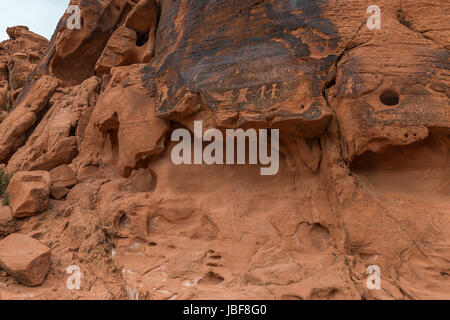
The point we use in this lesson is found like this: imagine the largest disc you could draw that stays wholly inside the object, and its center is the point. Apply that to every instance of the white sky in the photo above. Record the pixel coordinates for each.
(41, 16)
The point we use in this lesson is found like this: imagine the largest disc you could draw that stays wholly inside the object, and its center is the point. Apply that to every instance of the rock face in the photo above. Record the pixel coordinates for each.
(29, 192)
(134, 41)
(364, 125)
(14, 129)
(18, 57)
(62, 178)
(25, 258)
(56, 138)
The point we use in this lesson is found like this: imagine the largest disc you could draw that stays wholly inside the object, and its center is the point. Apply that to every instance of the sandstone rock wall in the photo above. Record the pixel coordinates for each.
(364, 126)
(18, 57)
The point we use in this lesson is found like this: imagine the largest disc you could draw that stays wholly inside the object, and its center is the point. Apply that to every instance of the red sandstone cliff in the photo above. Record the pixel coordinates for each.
(364, 179)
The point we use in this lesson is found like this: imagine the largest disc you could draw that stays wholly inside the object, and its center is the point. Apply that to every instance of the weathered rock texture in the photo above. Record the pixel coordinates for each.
(364, 121)
(7, 223)
(18, 57)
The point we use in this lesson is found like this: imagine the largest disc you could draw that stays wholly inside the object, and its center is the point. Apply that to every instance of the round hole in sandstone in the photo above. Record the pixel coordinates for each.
(124, 222)
(389, 98)
(142, 39)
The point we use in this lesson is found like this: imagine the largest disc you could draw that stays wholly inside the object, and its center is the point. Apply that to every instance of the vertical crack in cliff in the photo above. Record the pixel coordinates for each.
(332, 81)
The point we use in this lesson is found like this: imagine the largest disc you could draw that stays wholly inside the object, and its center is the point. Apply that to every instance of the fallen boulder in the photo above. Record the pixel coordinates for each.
(29, 192)
(25, 259)
(63, 176)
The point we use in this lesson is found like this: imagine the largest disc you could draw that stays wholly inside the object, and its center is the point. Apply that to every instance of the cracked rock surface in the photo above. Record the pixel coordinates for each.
(364, 178)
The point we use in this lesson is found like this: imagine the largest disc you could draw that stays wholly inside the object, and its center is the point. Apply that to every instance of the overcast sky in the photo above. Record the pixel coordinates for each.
(41, 16)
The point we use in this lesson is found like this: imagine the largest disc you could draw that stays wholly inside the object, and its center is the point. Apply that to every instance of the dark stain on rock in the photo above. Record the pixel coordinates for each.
(238, 53)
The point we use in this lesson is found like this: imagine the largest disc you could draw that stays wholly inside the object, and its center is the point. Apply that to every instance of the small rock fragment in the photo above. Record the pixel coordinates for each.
(58, 192)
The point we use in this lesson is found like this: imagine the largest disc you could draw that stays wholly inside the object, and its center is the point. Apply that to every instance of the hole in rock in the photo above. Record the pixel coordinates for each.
(16, 95)
(389, 98)
(124, 222)
(114, 140)
(211, 278)
(331, 83)
(326, 294)
(209, 264)
(315, 236)
(142, 39)
(72, 131)
(418, 170)
(320, 236)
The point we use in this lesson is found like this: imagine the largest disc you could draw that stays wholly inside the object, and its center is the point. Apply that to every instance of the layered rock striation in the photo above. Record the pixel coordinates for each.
(364, 127)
